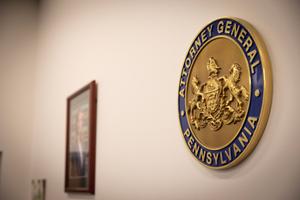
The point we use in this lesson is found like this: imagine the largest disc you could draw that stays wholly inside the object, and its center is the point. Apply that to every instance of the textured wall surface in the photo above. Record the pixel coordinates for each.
(135, 51)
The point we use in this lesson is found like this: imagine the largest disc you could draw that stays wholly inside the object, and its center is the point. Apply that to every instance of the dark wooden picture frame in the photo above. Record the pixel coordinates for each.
(81, 140)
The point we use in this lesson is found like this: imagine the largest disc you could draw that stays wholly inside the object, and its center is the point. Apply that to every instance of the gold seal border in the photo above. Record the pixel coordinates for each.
(267, 98)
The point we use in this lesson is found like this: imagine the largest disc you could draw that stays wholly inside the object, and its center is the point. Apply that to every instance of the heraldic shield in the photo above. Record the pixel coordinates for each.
(218, 101)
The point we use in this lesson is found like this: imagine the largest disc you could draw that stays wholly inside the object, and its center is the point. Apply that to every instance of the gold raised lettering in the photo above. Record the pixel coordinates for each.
(228, 154)
(188, 62)
(203, 36)
(202, 154)
(228, 26)
(208, 158)
(181, 92)
(220, 27)
(215, 156)
(248, 43)
(247, 130)
(197, 43)
(242, 36)
(222, 161)
(184, 72)
(243, 139)
(182, 82)
(192, 52)
(196, 149)
(252, 55)
(191, 142)
(253, 66)
(187, 133)
(209, 28)
(252, 121)
(236, 149)
(235, 29)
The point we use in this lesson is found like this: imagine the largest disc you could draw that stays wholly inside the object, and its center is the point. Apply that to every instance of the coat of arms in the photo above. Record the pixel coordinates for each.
(218, 101)
(225, 93)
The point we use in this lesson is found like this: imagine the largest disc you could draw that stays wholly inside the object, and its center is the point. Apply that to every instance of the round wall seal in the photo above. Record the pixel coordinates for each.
(225, 93)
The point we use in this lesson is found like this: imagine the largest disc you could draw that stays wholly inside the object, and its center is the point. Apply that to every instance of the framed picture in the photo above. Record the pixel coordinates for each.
(38, 189)
(81, 140)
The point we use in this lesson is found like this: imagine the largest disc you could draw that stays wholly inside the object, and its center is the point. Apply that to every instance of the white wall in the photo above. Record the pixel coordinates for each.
(0, 169)
(135, 51)
(17, 74)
